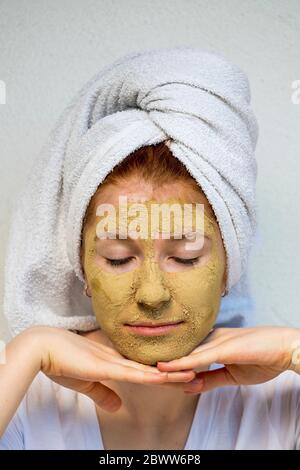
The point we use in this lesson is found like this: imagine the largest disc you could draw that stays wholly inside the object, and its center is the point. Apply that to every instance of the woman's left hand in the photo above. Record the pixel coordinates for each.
(249, 355)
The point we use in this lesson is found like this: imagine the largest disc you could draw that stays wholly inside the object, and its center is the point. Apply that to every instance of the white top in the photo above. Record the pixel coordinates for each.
(264, 416)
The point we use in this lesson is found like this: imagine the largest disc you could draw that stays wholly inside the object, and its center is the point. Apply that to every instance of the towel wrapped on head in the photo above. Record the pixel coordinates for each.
(195, 101)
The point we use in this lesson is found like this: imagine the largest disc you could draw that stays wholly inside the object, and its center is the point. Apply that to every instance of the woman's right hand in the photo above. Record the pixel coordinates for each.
(74, 361)
(79, 363)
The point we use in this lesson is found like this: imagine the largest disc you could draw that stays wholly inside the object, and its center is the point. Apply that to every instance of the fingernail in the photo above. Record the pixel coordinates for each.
(197, 381)
(188, 380)
(189, 386)
(114, 407)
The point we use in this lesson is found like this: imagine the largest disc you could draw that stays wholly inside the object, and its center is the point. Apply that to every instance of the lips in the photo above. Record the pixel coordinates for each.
(154, 324)
(153, 329)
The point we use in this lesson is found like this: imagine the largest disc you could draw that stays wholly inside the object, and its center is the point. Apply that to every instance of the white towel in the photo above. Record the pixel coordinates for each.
(195, 100)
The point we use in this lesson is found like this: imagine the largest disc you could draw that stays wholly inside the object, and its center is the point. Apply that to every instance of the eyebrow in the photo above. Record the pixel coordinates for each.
(129, 239)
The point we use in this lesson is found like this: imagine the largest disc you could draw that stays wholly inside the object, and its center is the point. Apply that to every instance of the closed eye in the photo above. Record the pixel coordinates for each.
(122, 261)
(186, 260)
(118, 262)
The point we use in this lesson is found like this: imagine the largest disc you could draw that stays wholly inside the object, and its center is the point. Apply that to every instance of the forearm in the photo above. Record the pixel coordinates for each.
(16, 374)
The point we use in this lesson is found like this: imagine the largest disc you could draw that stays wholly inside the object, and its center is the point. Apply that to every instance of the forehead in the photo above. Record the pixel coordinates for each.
(138, 191)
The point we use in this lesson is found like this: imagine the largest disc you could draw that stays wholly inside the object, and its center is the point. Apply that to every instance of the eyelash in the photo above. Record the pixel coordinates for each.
(118, 262)
(121, 261)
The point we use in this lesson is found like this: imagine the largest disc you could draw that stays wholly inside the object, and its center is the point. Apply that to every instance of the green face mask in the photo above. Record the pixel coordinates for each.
(146, 291)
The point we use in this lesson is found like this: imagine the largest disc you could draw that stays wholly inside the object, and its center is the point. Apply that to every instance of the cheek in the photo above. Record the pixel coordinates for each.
(110, 292)
(198, 289)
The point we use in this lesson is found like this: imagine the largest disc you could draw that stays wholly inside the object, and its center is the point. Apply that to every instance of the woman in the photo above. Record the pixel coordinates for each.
(137, 365)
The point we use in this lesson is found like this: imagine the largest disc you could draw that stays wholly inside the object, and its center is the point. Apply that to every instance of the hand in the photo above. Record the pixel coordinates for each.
(250, 356)
(80, 363)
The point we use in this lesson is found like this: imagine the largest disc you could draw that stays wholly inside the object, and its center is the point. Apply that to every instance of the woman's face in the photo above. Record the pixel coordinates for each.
(147, 280)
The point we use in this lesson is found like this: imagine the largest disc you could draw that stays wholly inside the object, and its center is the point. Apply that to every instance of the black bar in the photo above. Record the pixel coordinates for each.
(136, 458)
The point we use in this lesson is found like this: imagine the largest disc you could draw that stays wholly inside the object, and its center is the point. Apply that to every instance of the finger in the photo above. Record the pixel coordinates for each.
(233, 350)
(222, 333)
(103, 348)
(181, 376)
(216, 338)
(179, 384)
(199, 360)
(103, 396)
(103, 351)
(123, 373)
(126, 362)
(99, 393)
(208, 380)
(130, 374)
(106, 352)
(174, 385)
(184, 376)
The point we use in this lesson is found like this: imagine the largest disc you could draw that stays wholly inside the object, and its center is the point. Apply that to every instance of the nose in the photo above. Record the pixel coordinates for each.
(151, 291)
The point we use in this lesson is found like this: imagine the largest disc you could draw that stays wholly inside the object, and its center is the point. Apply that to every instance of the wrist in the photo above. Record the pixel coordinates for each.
(34, 342)
(293, 347)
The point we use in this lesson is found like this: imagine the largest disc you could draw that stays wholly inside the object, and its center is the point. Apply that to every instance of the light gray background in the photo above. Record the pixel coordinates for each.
(49, 48)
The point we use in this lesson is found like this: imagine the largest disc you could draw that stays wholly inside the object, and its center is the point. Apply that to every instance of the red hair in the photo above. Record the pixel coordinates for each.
(152, 163)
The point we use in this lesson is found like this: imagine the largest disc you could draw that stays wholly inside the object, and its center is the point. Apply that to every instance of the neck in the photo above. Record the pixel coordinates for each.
(153, 405)
(147, 405)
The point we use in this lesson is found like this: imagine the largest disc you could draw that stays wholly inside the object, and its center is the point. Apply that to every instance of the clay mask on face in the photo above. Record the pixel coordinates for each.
(158, 291)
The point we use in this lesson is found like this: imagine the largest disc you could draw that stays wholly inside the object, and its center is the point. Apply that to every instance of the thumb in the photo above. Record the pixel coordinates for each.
(103, 396)
(208, 380)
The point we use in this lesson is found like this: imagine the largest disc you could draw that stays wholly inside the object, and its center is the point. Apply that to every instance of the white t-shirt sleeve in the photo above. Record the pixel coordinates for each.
(287, 400)
(52, 417)
(12, 439)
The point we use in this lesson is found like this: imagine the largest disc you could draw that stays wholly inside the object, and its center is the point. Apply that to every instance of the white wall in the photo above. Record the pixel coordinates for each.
(49, 48)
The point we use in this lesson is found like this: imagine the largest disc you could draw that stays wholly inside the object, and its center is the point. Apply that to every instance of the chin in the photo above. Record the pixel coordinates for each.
(152, 357)
(150, 350)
